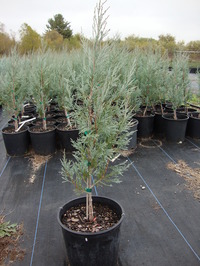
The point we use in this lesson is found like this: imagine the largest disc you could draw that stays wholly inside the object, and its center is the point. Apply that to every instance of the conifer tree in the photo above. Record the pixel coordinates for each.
(178, 82)
(60, 25)
(65, 82)
(41, 81)
(104, 117)
(12, 83)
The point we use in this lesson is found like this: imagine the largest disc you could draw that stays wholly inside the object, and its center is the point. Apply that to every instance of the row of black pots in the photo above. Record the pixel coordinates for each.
(165, 126)
(43, 143)
(46, 142)
(39, 121)
(183, 126)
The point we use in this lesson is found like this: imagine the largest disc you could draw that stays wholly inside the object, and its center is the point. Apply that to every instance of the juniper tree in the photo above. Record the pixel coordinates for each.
(178, 82)
(65, 83)
(12, 83)
(161, 62)
(104, 117)
(41, 81)
(150, 71)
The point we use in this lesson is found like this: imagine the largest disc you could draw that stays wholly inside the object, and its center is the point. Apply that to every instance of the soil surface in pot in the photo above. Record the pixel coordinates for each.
(41, 129)
(50, 115)
(66, 127)
(49, 122)
(12, 130)
(195, 115)
(104, 218)
(61, 120)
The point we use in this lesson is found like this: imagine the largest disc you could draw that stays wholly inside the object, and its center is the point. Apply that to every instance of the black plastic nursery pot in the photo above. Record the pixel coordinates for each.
(30, 109)
(16, 144)
(43, 143)
(193, 126)
(159, 126)
(145, 126)
(133, 138)
(64, 137)
(89, 249)
(175, 130)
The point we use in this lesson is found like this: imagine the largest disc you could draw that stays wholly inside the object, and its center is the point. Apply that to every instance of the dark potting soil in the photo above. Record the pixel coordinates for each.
(104, 218)
(12, 130)
(50, 115)
(40, 129)
(66, 127)
(195, 115)
(61, 120)
(49, 122)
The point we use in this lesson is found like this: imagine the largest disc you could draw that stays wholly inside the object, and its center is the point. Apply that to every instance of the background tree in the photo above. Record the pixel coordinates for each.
(133, 42)
(60, 25)
(74, 42)
(53, 40)
(6, 42)
(194, 48)
(13, 84)
(167, 42)
(30, 39)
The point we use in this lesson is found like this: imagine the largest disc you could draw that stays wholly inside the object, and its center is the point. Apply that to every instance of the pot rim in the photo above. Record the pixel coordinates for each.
(44, 132)
(193, 117)
(184, 117)
(68, 130)
(89, 233)
(25, 128)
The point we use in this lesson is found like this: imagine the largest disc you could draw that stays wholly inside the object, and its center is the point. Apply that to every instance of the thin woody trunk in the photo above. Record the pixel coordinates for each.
(68, 120)
(89, 205)
(16, 124)
(145, 111)
(44, 123)
(14, 105)
(162, 110)
(175, 115)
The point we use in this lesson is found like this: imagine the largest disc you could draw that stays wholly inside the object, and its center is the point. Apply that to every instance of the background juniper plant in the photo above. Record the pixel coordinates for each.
(150, 73)
(178, 82)
(65, 83)
(41, 81)
(12, 83)
(103, 118)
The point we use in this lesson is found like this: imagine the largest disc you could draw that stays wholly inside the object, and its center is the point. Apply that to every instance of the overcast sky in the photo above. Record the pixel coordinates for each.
(143, 18)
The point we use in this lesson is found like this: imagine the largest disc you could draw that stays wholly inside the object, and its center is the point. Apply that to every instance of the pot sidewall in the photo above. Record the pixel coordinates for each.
(145, 126)
(43, 143)
(175, 130)
(64, 138)
(193, 126)
(16, 144)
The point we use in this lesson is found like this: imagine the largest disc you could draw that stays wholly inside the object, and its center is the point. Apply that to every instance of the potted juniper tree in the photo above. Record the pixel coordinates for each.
(160, 91)
(135, 97)
(103, 120)
(41, 79)
(66, 80)
(178, 83)
(13, 93)
(147, 67)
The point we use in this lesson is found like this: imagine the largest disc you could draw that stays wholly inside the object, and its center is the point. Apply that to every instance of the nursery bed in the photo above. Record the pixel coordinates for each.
(161, 225)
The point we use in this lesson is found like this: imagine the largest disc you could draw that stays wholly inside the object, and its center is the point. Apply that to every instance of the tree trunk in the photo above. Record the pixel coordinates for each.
(175, 115)
(89, 204)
